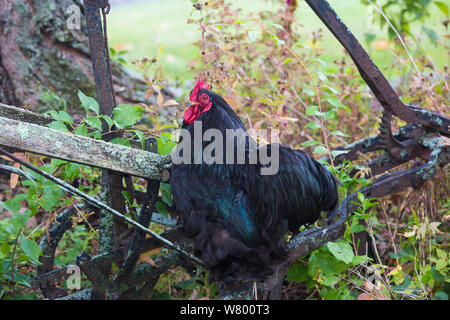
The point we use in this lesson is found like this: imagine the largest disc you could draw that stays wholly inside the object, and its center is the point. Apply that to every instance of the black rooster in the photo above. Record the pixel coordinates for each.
(238, 216)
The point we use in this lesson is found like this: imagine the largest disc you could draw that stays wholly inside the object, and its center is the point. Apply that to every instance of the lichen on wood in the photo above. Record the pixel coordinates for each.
(57, 144)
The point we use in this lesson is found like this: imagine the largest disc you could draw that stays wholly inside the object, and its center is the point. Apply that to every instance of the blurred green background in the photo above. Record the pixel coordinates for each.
(144, 27)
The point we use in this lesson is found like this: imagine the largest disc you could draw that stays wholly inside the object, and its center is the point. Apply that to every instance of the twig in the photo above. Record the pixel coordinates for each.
(380, 11)
(319, 103)
(386, 284)
(13, 260)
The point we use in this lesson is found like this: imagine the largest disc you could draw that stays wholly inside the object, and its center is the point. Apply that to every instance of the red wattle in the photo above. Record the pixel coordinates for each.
(191, 114)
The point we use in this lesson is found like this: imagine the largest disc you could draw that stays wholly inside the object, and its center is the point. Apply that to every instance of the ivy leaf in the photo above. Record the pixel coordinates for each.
(30, 248)
(341, 251)
(125, 115)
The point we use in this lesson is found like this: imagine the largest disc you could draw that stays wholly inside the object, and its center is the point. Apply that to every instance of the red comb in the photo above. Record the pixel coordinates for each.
(200, 85)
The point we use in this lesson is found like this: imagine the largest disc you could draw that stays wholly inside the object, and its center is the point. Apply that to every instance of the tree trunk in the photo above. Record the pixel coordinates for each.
(44, 53)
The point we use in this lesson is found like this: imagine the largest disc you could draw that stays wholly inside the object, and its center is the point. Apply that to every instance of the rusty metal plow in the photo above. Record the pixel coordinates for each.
(422, 138)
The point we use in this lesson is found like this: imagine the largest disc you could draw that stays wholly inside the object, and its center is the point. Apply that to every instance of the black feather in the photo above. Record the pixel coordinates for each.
(237, 216)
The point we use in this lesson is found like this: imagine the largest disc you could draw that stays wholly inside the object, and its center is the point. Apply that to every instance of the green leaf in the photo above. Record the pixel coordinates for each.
(311, 111)
(323, 63)
(127, 197)
(335, 102)
(298, 272)
(81, 130)
(320, 150)
(108, 120)
(339, 133)
(313, 125)
(11, 205)
(434, 37)
(357, 228)
(322, 77)
(357, 260)
(337, 153)
(330, 115)
(88, 103)
(141, 138)
(125, 115)
(370, 37)
(58, 125)
(331, 89)
(5, 249)
(94, 122)
(61, 116)
(30, 248)
(442, 6)
(17, 222)
(161, 207)
(308, 92)
(309, 143)
(166, 194)
(165, 143)
(71, 171)
(121, 141)
(341, 251)
(361, 197)
(441, 295)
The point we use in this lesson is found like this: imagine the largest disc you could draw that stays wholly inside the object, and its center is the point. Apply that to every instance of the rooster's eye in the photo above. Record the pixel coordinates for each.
(204, 98)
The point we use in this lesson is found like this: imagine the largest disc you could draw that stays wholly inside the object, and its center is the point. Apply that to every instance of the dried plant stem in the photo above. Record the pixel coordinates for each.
(380, 11)
(319, 102)
(386, 284)
(13, 261)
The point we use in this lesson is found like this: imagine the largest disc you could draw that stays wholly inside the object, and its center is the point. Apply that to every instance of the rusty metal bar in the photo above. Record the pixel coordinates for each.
(110, 227)
(374, 78)
(99, 57)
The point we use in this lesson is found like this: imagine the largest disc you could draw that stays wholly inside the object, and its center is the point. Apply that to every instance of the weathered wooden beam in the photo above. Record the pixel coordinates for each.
(66, 146)
(23, 115)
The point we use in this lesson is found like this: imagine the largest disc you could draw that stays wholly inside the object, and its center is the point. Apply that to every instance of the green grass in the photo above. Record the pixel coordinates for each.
(145, 28)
